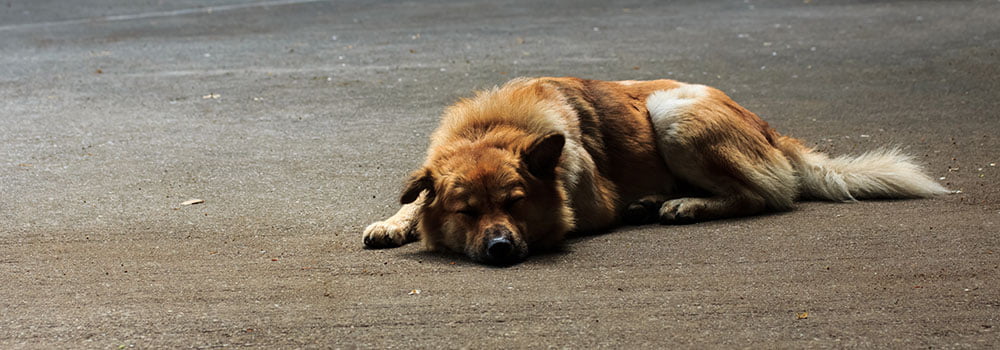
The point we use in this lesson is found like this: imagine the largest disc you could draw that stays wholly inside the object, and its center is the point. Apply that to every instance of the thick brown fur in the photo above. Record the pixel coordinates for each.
(514, 169)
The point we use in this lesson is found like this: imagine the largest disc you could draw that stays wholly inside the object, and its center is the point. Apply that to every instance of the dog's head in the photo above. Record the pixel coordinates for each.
(493, 201)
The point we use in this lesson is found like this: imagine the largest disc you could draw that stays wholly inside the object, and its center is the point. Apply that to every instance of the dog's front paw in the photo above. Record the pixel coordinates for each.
(680, 211)
(388, 234)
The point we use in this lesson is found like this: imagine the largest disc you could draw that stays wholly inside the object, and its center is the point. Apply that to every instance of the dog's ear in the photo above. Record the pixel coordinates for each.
(420, 181)
(543, 155)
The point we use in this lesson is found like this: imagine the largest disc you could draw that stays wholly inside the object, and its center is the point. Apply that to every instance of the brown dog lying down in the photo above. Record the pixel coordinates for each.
(514, 169)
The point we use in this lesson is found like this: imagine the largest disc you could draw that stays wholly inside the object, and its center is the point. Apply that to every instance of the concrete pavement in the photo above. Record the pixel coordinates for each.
(296, 122)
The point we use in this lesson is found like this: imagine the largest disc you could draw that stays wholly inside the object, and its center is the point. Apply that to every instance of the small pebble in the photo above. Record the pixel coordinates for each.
(193, 201)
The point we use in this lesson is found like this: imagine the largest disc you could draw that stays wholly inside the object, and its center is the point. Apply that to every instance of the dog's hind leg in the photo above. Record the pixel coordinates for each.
(709, 141)
(397, 230)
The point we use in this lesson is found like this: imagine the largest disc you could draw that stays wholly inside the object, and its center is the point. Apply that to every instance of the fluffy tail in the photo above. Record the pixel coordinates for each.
(885, 173)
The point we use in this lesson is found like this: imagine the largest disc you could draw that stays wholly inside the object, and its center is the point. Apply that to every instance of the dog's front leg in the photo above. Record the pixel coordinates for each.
(398, 229)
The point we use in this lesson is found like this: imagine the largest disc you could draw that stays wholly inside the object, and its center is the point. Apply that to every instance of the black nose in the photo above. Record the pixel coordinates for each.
(499, 248)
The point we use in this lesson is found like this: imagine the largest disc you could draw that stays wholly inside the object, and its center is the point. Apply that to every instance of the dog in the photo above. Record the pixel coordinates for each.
(516, 168)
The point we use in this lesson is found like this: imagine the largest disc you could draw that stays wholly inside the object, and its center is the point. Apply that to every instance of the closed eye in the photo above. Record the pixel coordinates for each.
(512, 201)
(470, 212)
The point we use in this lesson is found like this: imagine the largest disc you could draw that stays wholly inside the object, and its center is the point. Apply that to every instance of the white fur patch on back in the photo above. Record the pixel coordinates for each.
(667, 107)
(668, 101)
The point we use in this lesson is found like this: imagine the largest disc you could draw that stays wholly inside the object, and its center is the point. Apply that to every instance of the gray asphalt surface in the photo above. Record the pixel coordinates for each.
(296, 122)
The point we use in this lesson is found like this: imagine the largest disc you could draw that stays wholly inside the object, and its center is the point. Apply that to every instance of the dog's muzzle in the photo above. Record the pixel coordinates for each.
(500, 246)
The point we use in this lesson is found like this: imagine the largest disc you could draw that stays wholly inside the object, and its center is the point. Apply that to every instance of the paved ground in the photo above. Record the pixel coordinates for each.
(296, 122)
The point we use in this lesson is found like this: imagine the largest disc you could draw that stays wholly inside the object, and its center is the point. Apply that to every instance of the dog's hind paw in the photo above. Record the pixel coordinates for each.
(388, 234)
(680, 211)
(643, 211)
